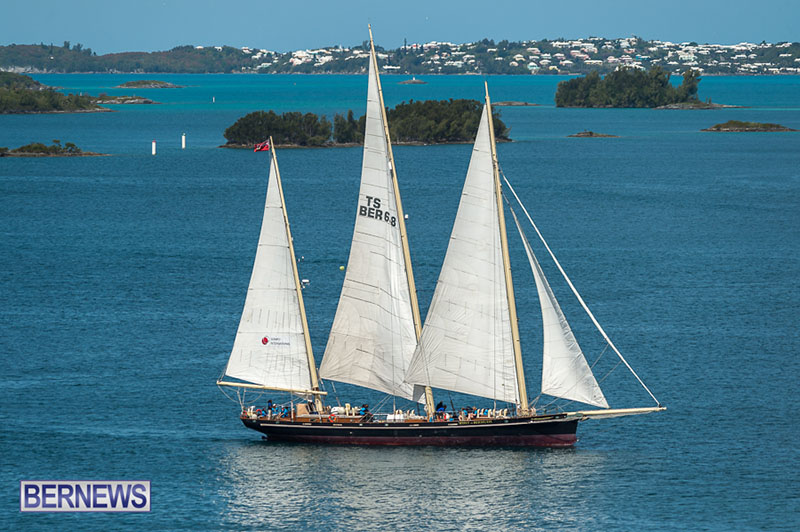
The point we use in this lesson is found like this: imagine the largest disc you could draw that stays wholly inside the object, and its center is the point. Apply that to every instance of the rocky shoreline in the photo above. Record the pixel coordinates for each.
(82, 154)
(123, 100)
(514, 104)
(736, 126)
(699, 105)
(54, 112)
(350, 145)
(148, 84)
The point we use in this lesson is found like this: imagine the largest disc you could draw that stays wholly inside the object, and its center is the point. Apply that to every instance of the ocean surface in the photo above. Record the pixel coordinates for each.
(122, 279)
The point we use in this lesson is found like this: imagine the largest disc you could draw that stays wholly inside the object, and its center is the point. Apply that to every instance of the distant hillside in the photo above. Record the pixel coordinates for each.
(185, 59)
(559, 56)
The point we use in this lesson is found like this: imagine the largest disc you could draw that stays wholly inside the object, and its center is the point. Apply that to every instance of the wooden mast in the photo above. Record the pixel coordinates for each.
(412, 290)
(512, 304)
(312, 365)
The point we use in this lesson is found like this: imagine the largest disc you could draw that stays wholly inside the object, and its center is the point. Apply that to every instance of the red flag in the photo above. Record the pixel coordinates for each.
(264, 146)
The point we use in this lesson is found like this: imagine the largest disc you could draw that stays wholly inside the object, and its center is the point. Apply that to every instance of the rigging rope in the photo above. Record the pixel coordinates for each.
(575, 291)
(225, 393)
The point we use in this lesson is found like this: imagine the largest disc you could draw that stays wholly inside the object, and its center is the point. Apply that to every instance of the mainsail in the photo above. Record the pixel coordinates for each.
(466, 343)
(373, 334)
(271, 348)
(565, 372)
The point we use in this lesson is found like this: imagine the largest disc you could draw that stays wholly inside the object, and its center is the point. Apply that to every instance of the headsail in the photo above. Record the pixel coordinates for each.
(373, 336)
(466, 343)
(271, 348)
(565, 372)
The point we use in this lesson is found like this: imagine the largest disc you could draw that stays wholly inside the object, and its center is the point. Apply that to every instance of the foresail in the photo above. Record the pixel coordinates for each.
(466, 342)
(565, 372)
(270, 348)
(372, 337)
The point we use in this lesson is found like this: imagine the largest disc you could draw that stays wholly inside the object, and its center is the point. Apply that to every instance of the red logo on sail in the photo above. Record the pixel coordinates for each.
(265, 340)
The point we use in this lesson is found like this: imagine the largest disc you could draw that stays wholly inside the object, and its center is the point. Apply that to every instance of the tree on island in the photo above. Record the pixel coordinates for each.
(627, 87)
(348, 130)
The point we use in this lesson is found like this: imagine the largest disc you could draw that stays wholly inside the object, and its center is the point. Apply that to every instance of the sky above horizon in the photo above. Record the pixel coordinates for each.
(149, 25)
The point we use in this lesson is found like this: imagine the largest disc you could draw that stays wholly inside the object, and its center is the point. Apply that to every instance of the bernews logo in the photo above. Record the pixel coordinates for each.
(84, 496)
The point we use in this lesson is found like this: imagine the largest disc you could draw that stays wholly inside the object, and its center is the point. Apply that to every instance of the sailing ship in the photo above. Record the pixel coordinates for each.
(469, 342)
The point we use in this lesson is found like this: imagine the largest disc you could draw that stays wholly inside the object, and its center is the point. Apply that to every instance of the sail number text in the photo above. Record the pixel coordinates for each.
(373, 210)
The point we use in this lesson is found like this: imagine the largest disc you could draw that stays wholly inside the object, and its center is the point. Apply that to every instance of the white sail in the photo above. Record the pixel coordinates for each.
(372, 337)
(270, 347)
(565, 372)
(466, 342)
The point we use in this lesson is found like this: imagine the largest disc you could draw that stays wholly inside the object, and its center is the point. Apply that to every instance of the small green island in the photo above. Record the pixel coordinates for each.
(514, 104)
(20, 94)
(738, 126)
(413, 122)
(105, 99)
(148, 84)
(38, 149)
(592, 135)
(630, 87)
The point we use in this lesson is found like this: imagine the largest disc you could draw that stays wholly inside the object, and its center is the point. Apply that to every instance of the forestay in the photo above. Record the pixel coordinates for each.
(565, 372)
(270, 348)
(466, 342)
(372, 338)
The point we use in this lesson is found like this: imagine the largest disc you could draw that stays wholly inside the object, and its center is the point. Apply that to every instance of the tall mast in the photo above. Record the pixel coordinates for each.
(512, 304)
(312, 367)
(412, 290)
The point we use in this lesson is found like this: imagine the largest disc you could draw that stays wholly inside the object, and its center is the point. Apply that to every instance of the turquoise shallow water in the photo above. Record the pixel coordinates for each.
(123, 277)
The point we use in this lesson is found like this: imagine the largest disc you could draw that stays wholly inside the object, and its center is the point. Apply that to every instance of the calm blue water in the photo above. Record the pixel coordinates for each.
(123, 278)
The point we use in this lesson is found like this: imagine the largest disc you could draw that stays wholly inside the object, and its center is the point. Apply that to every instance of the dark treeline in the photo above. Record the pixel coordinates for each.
(22, 94)
(428, 122)
(627, 87)
(440, 121)
(291, 128)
